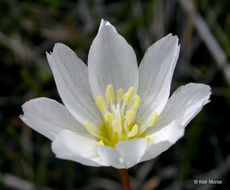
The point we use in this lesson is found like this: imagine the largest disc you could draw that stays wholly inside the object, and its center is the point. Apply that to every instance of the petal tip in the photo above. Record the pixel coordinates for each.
(106, 24)
(25, 105)
(58, 46)
(102, 24)
(48, 56)
(174, 38)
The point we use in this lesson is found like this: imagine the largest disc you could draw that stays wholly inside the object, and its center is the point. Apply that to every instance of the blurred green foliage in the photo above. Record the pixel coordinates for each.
(30, 28)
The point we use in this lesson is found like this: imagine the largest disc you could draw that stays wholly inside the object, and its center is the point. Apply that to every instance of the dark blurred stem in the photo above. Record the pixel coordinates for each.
(125, 179)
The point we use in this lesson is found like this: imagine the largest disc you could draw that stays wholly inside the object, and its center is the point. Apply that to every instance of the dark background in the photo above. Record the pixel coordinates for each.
(29, 28)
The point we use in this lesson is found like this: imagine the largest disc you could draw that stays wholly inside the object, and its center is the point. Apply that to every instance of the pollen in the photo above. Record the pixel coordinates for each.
(130, 116)
(136, 102)
(101, 104)
(120, 94)
(117, 126)
(109, 117)
(90, 129)
(109, 94)
(134, 131)
(128, 95)
(119, 118)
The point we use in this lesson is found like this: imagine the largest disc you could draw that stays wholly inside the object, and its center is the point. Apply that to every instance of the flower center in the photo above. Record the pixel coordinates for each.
(119, 116)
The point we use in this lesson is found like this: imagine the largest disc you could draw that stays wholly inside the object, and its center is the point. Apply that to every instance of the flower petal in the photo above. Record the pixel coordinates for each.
(111, 61)
(49, 117)
(155, 75)
(125, 155)
(162, 140)
(71, 78)
(185, 103)
(71, 146)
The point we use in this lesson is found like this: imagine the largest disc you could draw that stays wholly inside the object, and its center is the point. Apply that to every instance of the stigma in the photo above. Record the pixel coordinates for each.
(119, 118)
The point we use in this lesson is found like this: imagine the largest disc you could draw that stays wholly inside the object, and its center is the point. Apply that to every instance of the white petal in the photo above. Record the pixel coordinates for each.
(185, 103)
(111, 156)
(71, 78)
(155, 75)
(49, 117)
(125, 155)
(162, 140)
(155, 149)
(111, 61)
(71, 146)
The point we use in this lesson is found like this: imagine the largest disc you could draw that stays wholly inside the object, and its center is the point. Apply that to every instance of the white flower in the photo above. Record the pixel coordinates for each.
(114, 113)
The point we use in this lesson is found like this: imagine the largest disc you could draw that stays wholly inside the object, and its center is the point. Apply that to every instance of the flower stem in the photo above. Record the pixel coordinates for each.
(125, 179)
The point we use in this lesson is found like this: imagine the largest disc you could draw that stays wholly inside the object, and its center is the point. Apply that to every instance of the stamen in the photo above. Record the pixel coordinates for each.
(148, 138)
(90, 129)
(130, 116)
(128, 95)
(120, 93)
(149, 123)
(101, 143)
(109, 94)
(119, 118)
(102, 106)
(109, 117)
(126, 127)
(136, 102)
(152, 120)
(116, 126)
(134, 131)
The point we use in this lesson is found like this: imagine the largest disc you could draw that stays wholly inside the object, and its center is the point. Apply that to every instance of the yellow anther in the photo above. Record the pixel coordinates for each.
(117, 126)
(130, 116)
(134, 131)
(120, 93)
(90, 129)
(128, 95)
(109, 94)
(148, 138)
(152, 120)
(136, 102)
(101, 143)
(118, 110)
(102, 106)
(109, 117)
